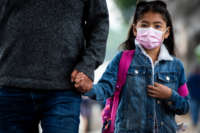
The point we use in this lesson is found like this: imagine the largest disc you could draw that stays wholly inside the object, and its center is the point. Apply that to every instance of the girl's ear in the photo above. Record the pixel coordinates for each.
(134, 30)
(167, 33)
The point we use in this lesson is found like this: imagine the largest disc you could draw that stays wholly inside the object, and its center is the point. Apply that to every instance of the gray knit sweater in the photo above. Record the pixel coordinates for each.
(43, 41)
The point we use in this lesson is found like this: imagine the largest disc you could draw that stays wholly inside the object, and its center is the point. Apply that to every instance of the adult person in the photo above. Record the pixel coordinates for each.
(194, 86)
(43, 45)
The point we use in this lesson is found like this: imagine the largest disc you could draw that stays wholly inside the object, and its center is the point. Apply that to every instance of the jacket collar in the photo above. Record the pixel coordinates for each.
(163, 55)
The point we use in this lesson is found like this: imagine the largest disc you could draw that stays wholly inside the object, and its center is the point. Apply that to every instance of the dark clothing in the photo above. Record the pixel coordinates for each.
(42, 41)
(194, 86)
(195, 111)
(21, 111)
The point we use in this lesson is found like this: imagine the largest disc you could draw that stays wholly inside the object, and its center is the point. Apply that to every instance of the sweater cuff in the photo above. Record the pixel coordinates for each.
(88, 70)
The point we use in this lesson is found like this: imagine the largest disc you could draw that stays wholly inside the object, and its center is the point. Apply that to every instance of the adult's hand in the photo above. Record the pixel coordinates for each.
(73, 75)
(83, 83)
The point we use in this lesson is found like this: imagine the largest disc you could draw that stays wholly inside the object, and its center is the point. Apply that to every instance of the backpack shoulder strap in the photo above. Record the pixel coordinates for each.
(124, 64)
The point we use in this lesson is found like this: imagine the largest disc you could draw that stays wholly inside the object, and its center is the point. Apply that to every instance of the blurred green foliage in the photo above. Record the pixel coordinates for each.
(127, 8)
(124, 4)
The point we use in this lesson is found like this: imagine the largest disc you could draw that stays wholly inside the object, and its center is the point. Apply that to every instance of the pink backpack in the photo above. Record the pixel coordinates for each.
(110, 110)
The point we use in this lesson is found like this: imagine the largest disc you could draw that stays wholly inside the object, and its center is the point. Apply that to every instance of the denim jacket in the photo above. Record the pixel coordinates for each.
(138, 112)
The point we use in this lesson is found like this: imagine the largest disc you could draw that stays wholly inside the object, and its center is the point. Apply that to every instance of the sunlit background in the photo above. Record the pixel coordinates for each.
(186, 21)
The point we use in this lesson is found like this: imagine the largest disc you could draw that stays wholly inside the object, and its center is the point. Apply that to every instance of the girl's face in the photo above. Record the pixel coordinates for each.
(154, 20)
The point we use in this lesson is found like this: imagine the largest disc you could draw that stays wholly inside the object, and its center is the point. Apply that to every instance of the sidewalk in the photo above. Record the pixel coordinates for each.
(186, 120)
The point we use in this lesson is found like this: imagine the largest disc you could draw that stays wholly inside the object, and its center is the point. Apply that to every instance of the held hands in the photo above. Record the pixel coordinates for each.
(159, 91)
(82, 82)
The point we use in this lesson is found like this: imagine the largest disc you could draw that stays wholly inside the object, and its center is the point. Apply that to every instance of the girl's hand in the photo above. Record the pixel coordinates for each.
(159, 91)
(83, 83)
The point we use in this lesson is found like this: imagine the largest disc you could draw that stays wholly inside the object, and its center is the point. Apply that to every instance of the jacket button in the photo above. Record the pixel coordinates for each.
(136, 72)
(158, 102)
(167, 78)
(162, 123)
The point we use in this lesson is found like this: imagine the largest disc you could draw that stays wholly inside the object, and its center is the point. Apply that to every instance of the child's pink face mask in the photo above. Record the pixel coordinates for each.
(149, 38)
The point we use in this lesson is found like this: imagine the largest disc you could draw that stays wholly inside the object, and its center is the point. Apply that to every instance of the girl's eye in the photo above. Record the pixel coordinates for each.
(144, 25)
(158, 26)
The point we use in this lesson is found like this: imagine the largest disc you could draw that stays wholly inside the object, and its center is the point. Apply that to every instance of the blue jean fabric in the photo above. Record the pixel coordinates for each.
(21, 111)
(137, 112)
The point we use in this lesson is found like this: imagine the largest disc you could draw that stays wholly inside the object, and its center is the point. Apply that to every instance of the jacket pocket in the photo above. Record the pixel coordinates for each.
(169, 79)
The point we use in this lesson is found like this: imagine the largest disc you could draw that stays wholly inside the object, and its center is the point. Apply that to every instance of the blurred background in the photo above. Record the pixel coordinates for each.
(186, 21)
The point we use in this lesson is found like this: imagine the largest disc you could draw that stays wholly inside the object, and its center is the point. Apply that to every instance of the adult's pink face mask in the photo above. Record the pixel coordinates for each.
(149, 38)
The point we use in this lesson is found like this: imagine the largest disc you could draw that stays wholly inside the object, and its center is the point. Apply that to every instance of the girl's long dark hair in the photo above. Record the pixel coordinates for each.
(153, 6)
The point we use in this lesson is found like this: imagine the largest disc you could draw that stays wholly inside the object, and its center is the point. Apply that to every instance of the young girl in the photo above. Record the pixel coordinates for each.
(155, 89)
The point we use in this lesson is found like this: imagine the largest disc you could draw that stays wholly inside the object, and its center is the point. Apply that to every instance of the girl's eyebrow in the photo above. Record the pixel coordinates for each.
(158, 22)
(144, 21)
(147, 22)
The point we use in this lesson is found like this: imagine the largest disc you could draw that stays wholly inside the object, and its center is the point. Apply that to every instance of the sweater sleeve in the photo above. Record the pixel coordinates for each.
(179, 101)
(96, 32)
(106, 86)
(2, 8)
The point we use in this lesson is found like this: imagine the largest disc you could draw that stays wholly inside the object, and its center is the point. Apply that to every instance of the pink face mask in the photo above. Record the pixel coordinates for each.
(149, 38)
